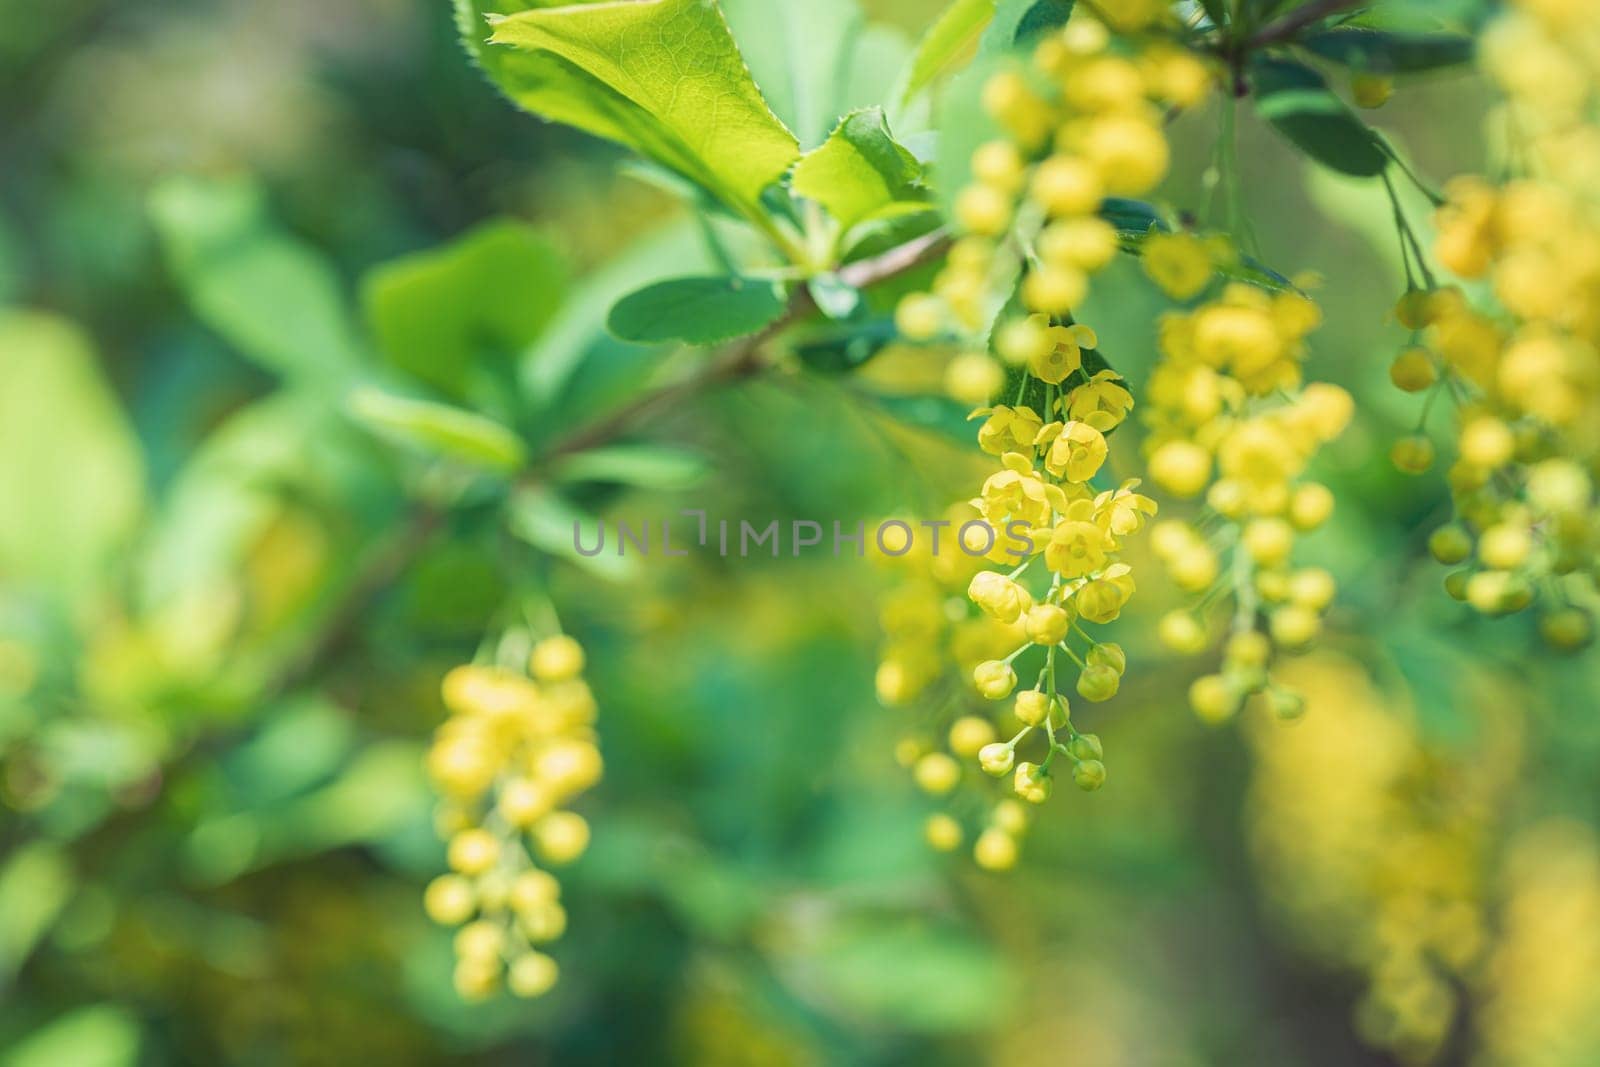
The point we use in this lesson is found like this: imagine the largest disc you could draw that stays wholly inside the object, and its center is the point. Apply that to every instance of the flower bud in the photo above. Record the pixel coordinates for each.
(994, 679)
(996, 758)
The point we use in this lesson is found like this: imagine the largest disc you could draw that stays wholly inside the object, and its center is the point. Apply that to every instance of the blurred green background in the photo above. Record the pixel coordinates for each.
(224, 610)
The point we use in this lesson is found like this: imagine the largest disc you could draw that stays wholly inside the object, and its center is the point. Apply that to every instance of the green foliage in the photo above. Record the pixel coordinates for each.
(455, 316)
(439, 429)
(648, 74)
(1389, 51)
(1016, 21)
(860, 172)
(801, 57)
(698, 311)
(1297, 102)
(947, 44)
(269, 295)
(69, 463)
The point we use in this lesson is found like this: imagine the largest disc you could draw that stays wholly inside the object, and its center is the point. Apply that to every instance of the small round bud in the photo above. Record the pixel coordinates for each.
(1286, 704)
(1269, 541)
(476, 978)
(996, 758)
(1066, 185)
(1032, 707)
(1010, 816)
(1047, 624)
(1086, 747)
(449, 900)
(1412, 370)
(970, 733)
(1294, 627)
(1312, 588)
(533, 889)
(473, 851)
(1247, 648)
(995, 850)
(942, 833)
(1568, 628)
(1487, 442)
(480, 939)
(1181, 632)
(1371, 90)
(1031, 783)
(1412, 455)
(523, 802)
(1310, 505)
(1089, 775)
(1450, 544)
(1214, 699)
(1000, 164)
(994, 679)
(532, 974)
(556, 659)
(1505, 545)
(920, 317)
(983, 210)
(1108, 654)
(561, 837)
(972, 378)
(937, 773)
(1182, 468)
(1098, 682)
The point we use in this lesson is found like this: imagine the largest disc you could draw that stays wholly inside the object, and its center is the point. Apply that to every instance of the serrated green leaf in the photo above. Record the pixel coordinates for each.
(70, 465)
(661, 76)
(439, 429)
(1018, 21)
(1389, 51)
(443, 315)
(272, 297)
(1297, 102)
(948, 43)
(696, 311)
(641, 466)
(799, 56)
(859, 170)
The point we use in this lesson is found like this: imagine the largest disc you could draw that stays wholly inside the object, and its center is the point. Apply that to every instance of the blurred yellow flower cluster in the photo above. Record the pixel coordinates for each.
(1374, 844)
(1525, 374)
(1230, 420)
(515, 750)
(1083, 124)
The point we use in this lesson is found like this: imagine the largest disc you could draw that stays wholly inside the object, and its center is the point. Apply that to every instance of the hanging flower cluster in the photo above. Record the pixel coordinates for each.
(1230, 422)
(1523, 371)
(513, 753)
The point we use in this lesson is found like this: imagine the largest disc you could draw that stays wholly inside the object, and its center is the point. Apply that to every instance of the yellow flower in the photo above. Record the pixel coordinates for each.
(1102, 600)
(1123, 511)
(1077, 546)
(1179, 263)
(1077, 451)
(1018, 493)
(999, 596)
(1008, 429)
(1102, 402)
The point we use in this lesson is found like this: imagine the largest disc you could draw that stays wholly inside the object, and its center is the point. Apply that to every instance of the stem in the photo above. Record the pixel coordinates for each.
(1289, 26)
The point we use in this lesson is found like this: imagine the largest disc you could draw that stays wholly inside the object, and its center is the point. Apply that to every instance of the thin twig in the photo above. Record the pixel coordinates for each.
(1287, 27)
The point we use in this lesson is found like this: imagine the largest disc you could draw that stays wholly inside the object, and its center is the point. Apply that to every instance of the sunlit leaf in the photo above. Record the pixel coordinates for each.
(859, 170)
(799, 56)
(1297, 102)
(948, 42)
(661, 76)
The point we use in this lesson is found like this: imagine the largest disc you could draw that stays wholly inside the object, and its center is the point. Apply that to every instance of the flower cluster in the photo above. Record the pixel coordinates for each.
(514, 751)
(1372, 845)
(1083, 124)
(1230, 421)
(1524, 373)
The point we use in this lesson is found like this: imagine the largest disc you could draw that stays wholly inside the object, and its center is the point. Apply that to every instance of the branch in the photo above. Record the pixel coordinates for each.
(741, 359)
(1290, 25)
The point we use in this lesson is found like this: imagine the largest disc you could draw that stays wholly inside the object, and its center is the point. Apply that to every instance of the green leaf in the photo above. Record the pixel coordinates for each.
(1389, 51)
(70, 466)
(272, 297)
(859, 170)
(661, 76)
(1017, 21)
(641, 466)
(962, 125)
(35, 885)
(697, 311)
(799, 56)
(552, 523)
(439, 429)
(1297, 102)
(442, 316)
(921, 979)
(101, 1035)
(947, 44)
